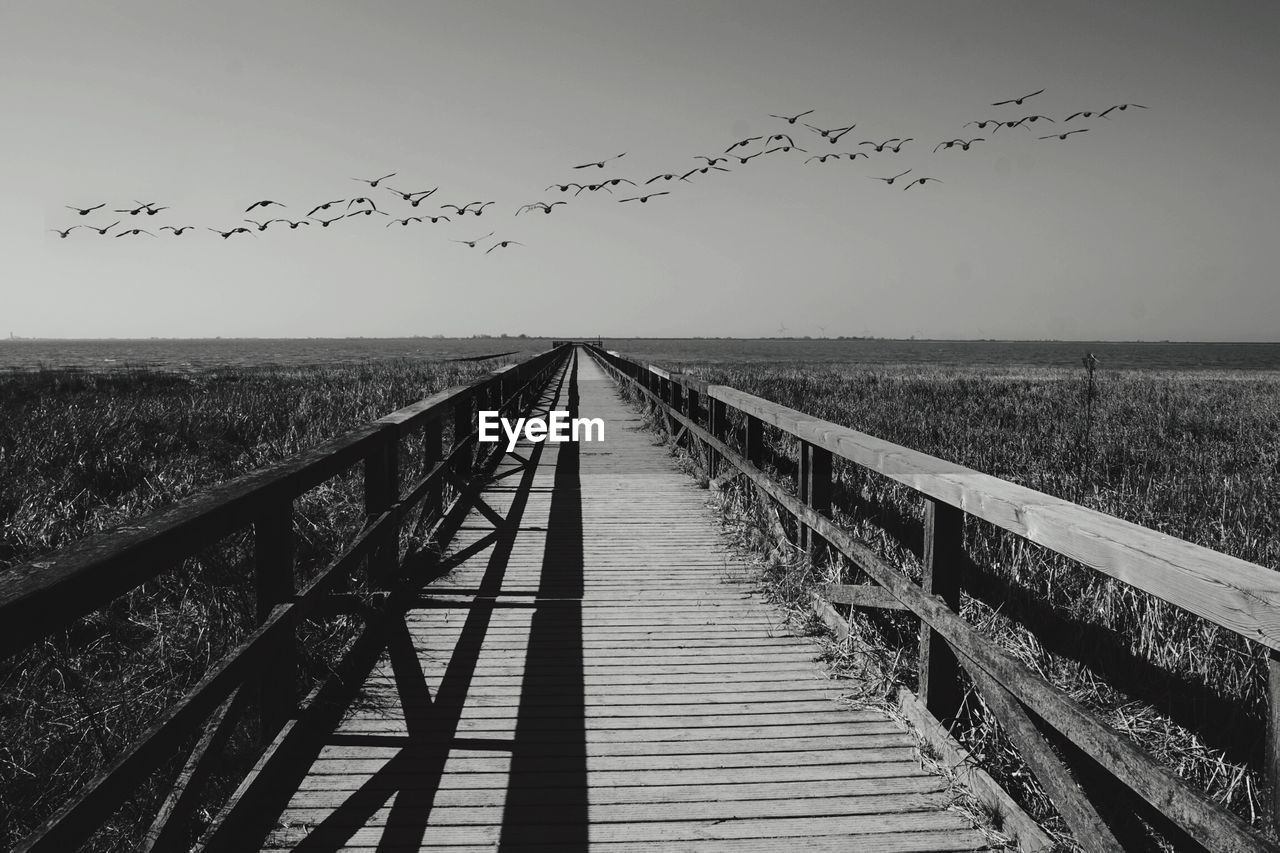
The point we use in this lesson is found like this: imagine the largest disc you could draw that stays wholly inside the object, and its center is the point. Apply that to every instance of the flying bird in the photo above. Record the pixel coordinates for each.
(1083, 114)
(890, 181)
(368, 211)
(472, 243)
(592, 188)
(362, 200)
(832, 134)
(85, 211)
(701, 170)
(325, 206)
(261, 226)
(152, 211)
(502, 244)
(613, 182)
(897, 149)
(563, 187)
(103, 231)
(822, 158)
(1065, 135)
(264, 203)
(1017, 123)
(599, 164)
(63, 234)
(404, 221)
(879, 146)
(778, 137)
(479, 210)
(1034, 119)
(374, 183)
(743, 160)
(134, 211)
(1121, 108)
(785, 148)
(177, 232)
(743, 144)
(293, 226)
(421, 197)
(408, 196)
(324, 223)
(136, 231)
(711, 161)
(669, 176)
(540, 205)
(921, 181)
(982, 124)
(791, 119)
(643, 198)
(1017, 101)
(226, 234)
(963, 143)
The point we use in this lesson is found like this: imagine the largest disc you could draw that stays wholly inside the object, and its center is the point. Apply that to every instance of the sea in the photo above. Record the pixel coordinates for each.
(192, 355)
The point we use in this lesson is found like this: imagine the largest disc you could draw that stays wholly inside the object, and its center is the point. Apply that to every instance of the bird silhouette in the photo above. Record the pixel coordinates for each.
(152, 211)
(786, 148)
(822, 158)
(368, 211)
(832, 135)
(134, 211)
(472, 243)
(63, 234)
(226, 234)
(879, 146)
(791, 119)
(502, 244)
(325, 223)
(1017, 101)
(103, 231)
(921, 181)
(293, 226)
(563, 187)
(264, 203)
(261, 226)
(599, 164)
(613, 182)
(711, 161)
(1084, 114)
(897, 149)
(540, 205)
(1017, 123)
(362, 200)
(963, 143)
(135, 232)
(702, 170)
(421, 197)
(643, 198)
(668, 176)
(325, 206)
(744, 143)
(408, 196)
(479, 210)
(85, 211)
(1034, 119)
(177, 232)
(404, 221)
(1121, 108)
(890, 181)
(460, 210)
(374, 183)
(593, 188)
(1065, 135)
(982, 123)
(778, 137)
(743, 160)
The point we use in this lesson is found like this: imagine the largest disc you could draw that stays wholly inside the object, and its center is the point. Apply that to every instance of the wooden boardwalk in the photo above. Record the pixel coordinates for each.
(597, 672)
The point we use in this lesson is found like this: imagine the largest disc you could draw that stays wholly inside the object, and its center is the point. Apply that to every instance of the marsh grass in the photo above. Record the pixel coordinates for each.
(82, 452)
(1195, 455)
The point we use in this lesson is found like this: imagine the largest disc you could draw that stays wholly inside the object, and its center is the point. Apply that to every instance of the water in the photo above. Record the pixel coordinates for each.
(190, 355)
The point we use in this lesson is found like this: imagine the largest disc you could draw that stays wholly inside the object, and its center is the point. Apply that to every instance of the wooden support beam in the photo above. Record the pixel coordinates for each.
(939, 686)
(381, 492)
(861, 595)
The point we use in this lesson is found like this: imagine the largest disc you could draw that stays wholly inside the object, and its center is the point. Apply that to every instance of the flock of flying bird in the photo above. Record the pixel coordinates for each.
(737, 153)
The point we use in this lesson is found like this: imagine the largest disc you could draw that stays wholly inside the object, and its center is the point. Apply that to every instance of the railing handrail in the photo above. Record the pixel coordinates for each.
(45, 594)
(1235, 594)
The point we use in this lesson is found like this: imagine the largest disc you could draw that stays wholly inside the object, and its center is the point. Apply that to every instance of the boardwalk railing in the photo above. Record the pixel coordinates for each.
(1090, 772)
(46, 596)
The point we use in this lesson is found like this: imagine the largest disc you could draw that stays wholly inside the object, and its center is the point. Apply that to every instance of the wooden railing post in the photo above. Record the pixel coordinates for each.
(275, 583)
(719, 427)
(816, 466)
(381, 491)
(1271, 761)
(461, 430)
(939, 685)
(754, 440)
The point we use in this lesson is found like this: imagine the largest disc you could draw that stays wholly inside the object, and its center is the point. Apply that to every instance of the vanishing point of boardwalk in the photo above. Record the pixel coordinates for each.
(597, 671)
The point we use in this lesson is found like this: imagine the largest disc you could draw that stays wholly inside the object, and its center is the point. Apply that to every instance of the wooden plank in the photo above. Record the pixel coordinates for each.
(1238, 595)
(939, 685)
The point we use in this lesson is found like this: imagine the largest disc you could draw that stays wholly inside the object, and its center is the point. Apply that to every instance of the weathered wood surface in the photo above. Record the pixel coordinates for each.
(599, 672)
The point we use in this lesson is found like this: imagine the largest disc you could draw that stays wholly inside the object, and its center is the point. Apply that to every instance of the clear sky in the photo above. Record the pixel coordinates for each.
(1157, 224)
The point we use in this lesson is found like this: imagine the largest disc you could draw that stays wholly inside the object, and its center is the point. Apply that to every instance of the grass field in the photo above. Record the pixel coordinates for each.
(83, 452)
(1192, 454)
